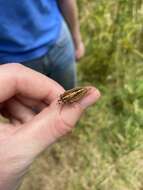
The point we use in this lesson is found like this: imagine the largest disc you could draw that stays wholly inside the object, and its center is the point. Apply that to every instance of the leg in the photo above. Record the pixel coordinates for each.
(37, 65)
(62, 60)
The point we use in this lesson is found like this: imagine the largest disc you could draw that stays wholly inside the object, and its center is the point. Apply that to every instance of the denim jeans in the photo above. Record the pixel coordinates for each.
(59, 63)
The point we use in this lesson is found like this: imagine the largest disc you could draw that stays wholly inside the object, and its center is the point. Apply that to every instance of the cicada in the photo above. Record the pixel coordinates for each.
(73, 95)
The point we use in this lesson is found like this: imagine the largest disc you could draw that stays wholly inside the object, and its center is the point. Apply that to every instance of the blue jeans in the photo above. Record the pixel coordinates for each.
(59, 63)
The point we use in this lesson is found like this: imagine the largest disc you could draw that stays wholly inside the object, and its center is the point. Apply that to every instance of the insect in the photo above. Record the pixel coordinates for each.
(73, 95)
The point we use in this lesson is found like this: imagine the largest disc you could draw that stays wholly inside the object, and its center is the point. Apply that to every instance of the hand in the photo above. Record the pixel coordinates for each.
(27, 134)
(79, 45)
(79, 50)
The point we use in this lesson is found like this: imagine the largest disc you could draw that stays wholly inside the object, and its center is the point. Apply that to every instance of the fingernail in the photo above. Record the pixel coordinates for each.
(92, 97)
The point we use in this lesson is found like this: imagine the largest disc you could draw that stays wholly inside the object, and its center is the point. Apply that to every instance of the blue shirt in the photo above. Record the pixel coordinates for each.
(27, 28)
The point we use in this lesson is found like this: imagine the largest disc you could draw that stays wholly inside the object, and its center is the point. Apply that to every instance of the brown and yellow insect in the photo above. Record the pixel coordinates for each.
(73, 95)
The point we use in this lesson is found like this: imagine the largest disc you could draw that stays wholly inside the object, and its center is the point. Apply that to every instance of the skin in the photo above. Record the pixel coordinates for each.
(30, 132)
(70, 13)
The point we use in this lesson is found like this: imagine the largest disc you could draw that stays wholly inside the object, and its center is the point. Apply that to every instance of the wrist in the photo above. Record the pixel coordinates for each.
(11, 177)
(77, 39)
(8, 182)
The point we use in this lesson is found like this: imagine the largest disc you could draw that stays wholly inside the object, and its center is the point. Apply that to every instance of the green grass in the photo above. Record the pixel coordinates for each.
(105, 151)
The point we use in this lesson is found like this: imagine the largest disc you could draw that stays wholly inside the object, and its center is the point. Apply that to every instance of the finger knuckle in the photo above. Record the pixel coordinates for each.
(62, 127)
(16, 67)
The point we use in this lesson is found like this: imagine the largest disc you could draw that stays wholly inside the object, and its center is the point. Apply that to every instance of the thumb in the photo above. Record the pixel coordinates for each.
(55, 121)
(71, 113)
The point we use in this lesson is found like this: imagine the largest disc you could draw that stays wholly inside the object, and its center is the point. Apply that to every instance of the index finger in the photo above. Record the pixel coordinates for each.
(18, 79)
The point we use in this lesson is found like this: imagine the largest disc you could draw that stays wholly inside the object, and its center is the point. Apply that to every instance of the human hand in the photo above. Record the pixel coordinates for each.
(27, 134)
(80, 50)
(79, 45)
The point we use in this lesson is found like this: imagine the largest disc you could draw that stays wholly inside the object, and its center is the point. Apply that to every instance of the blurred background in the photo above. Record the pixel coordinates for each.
(105, 150)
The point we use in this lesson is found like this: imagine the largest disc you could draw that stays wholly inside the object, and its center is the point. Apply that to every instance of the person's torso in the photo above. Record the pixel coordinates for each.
(27, 25)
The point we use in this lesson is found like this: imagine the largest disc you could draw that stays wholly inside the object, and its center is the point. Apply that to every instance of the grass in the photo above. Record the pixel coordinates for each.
(105, 150)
